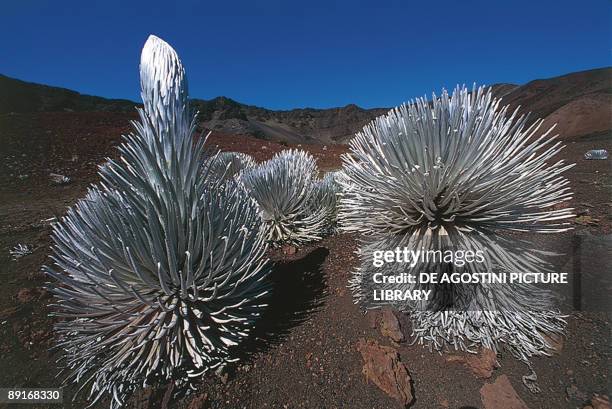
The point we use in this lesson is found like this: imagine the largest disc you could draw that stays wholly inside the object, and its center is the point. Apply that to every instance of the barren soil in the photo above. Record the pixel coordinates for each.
(303, 351)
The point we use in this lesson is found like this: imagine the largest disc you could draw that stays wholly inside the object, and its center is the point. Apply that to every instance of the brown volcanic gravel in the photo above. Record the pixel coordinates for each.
(73, 144)
(303, 351)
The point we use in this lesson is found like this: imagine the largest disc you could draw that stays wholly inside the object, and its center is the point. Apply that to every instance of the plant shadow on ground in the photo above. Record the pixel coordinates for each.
(298, 290)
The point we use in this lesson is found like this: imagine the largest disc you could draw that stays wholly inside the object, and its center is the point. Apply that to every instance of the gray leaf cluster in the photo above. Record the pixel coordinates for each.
(228, 165)
(459, 172)
(293, 204)
(327, 191)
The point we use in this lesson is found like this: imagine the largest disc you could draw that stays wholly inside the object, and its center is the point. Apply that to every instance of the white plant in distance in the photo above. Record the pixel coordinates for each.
(160, 270)
(284, 188)
(460, 173)
(19, 251)
(327, 190)
(227, 165)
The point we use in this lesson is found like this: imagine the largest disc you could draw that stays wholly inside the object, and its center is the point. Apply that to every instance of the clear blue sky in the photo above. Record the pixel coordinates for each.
(285, 54)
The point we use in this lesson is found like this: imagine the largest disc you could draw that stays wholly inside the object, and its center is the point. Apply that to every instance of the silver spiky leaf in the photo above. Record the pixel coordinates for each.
(284, 189)
(456, 173)
(160, 269)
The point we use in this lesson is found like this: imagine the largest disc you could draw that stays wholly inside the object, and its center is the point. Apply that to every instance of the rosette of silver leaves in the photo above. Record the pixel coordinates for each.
(327, 190)
(292, 203)
(160, 269)
(459, 173)
(227, 165)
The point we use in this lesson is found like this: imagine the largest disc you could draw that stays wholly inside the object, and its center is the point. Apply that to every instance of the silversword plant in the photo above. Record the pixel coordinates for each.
(327, 190)
(285, 189)
(19, 251)
(459, 172)
(228, 165)
(160, 269)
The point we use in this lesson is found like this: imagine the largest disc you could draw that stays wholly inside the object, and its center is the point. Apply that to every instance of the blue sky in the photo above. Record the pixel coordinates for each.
(282, 54)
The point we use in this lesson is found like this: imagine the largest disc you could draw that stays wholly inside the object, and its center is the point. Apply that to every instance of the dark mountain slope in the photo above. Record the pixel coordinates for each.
(579, 102)
(21, 96)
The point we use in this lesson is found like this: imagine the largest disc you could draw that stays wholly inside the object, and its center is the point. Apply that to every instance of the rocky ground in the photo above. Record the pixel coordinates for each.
(314, 348)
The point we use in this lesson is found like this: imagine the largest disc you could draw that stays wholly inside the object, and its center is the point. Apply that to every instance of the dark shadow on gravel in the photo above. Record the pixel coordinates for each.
(298, 290)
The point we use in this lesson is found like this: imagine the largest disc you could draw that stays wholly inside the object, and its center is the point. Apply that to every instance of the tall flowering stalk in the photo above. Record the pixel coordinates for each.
(160, 269)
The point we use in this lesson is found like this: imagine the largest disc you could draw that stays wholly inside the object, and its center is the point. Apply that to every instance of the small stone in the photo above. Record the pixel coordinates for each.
(481, 364)
(600, 402)
(390, 326)
(289, 250)
(308, 358)
(573, 393)
(555, 341)
(58, 179)
(500, 395)
(373, 317)
(586, 221)
(383, 367)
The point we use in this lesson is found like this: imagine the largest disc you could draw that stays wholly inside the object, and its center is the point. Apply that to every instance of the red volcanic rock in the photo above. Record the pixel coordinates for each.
(383, 367)
(289, 250)
(481, 364)
(390, 326)
(556, 342)
(501, 395)
(600, 402)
